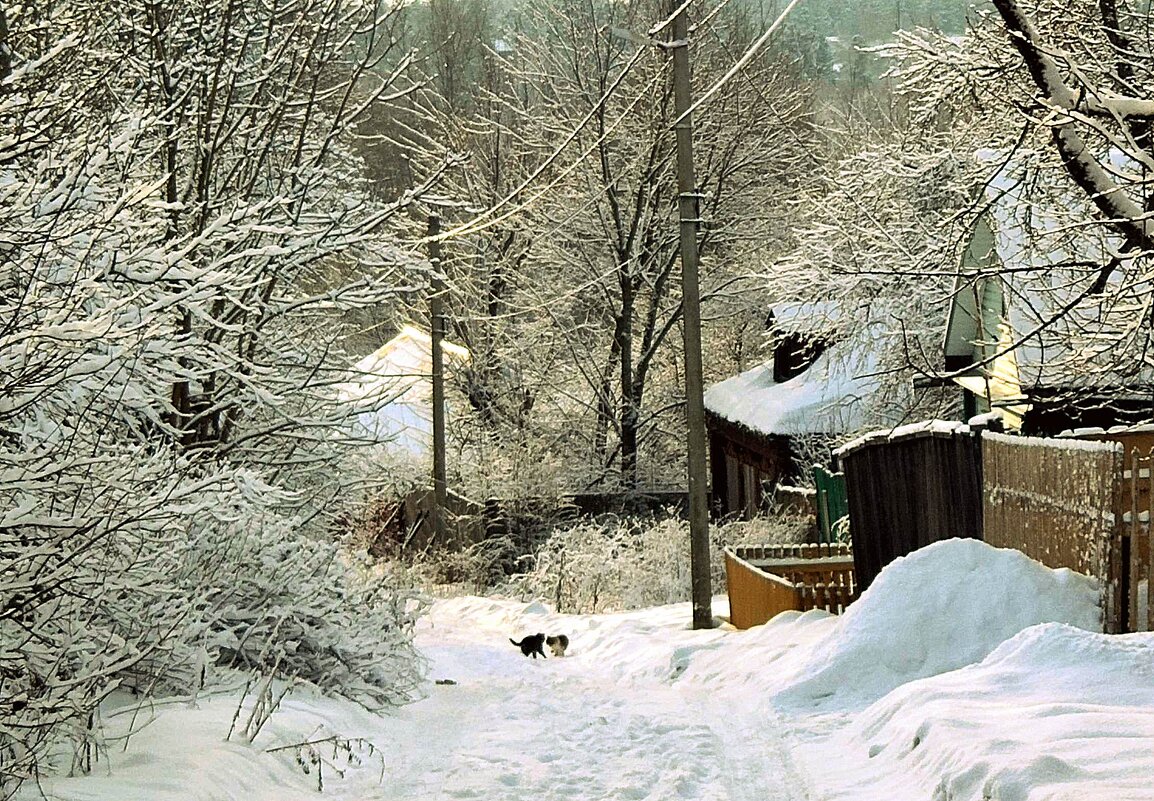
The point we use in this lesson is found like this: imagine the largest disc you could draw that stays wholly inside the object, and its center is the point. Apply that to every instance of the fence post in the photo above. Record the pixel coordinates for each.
(1113, 564)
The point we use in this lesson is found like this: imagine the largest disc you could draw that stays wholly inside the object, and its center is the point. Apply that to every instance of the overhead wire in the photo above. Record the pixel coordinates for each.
(750, 52)
(485, 220)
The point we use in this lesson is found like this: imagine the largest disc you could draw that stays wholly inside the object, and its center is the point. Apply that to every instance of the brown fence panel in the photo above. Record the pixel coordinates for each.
(1051, 499)
(1054, 500)
(754, 595)
(909, 489)
(765, 581)
(1139, 440)
(1128, 562)
(1138, 481)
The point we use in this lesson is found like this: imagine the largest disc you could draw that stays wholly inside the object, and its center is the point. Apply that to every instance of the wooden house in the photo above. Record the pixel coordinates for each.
(765, 425)
(1009, 341)
(391, 391)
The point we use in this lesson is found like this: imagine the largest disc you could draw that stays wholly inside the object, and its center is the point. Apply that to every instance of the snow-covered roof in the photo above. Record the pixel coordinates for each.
(1044, 254)
(393, 390)
(825, 399)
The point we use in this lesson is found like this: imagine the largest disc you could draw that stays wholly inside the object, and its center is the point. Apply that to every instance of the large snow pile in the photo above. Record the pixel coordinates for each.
(175, 750)
(942, 607)
(1054, 713)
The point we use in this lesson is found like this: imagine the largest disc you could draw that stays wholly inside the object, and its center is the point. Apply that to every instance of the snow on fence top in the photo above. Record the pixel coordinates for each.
(931, 428)
(1064, 444)
(950, 428)
(1145, 428)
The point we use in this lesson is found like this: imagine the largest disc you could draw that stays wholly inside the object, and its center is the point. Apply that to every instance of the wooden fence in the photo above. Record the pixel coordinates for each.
(1134, 542)
(1127, 581)
(909, 488)
(767, 580)
(1079, 505)
(1051, 499)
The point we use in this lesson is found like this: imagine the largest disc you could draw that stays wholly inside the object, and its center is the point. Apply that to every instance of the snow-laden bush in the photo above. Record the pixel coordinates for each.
(147, 584)
(160, 350)
(632, 563)
(270, 598)
(84, 605)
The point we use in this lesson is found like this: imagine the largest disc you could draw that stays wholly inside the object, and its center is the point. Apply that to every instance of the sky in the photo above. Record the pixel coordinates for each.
(964, 673)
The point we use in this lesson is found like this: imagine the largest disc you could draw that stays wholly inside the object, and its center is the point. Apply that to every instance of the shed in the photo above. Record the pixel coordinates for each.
(391, 391)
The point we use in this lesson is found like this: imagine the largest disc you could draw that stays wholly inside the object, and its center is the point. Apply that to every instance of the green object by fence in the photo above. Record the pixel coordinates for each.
(832, 506)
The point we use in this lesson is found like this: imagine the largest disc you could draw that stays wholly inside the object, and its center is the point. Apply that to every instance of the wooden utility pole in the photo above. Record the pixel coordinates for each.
(691, 327)
(436, 333)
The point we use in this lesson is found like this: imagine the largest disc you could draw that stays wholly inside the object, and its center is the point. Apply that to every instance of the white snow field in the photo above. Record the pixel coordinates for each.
(965, 673)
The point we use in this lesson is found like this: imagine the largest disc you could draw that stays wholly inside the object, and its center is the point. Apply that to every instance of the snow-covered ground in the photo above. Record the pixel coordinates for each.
(965, 673)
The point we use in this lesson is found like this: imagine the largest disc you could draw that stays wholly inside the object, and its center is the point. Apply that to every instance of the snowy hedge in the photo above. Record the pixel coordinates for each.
(594, 566)
(270, 598)
(181, 235)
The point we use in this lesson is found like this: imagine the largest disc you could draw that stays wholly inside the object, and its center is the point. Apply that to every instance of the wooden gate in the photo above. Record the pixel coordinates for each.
(765, 581)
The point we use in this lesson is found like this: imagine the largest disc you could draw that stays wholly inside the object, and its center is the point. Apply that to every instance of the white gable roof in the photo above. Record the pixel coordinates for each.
(1047, 253)
(828, 398)
(392, 389)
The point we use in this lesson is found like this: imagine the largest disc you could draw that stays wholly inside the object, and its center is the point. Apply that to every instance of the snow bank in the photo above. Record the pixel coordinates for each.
(939, 609)
(176, 751)
(761, 660)
(1053, 713)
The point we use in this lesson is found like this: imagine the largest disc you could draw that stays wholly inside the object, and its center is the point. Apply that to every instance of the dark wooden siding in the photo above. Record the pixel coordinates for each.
(744, 467)
(905, 493)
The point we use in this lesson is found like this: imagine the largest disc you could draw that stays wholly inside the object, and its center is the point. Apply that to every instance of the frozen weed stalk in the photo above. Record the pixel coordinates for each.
(336, 754)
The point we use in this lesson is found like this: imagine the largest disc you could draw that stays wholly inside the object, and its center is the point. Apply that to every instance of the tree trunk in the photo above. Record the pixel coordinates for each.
(629, 413)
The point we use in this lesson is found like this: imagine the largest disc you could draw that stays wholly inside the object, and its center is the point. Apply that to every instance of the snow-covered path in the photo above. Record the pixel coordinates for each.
(994, 686)
(599, 723)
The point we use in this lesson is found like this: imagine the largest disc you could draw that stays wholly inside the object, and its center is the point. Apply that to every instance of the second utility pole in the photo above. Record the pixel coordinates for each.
(436, 334)
(699, 560)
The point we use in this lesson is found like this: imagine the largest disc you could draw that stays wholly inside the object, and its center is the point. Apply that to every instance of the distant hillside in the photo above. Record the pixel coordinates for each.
(874, 20)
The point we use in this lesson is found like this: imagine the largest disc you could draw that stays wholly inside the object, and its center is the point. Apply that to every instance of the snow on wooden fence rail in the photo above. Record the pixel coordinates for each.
(764, 581)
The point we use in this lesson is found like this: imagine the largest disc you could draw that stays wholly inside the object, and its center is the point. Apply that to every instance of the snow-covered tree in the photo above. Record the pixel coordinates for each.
(573, 275)
(182, 225)
(1059, 90)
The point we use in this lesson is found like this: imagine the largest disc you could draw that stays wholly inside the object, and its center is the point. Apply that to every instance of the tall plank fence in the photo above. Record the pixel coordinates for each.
(909, 488)
(1051, 499)
(1135, 538)
(1066, 502)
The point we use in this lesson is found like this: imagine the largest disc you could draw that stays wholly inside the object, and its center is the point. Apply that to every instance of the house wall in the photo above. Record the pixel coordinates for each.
(1055, 411)
(744, 468)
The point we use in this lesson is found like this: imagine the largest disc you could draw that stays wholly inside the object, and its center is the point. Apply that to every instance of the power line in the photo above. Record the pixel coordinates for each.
(476, 223)
(750, 52)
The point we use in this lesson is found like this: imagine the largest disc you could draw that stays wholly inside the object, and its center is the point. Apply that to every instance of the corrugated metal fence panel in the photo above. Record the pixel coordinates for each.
(905, 493)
